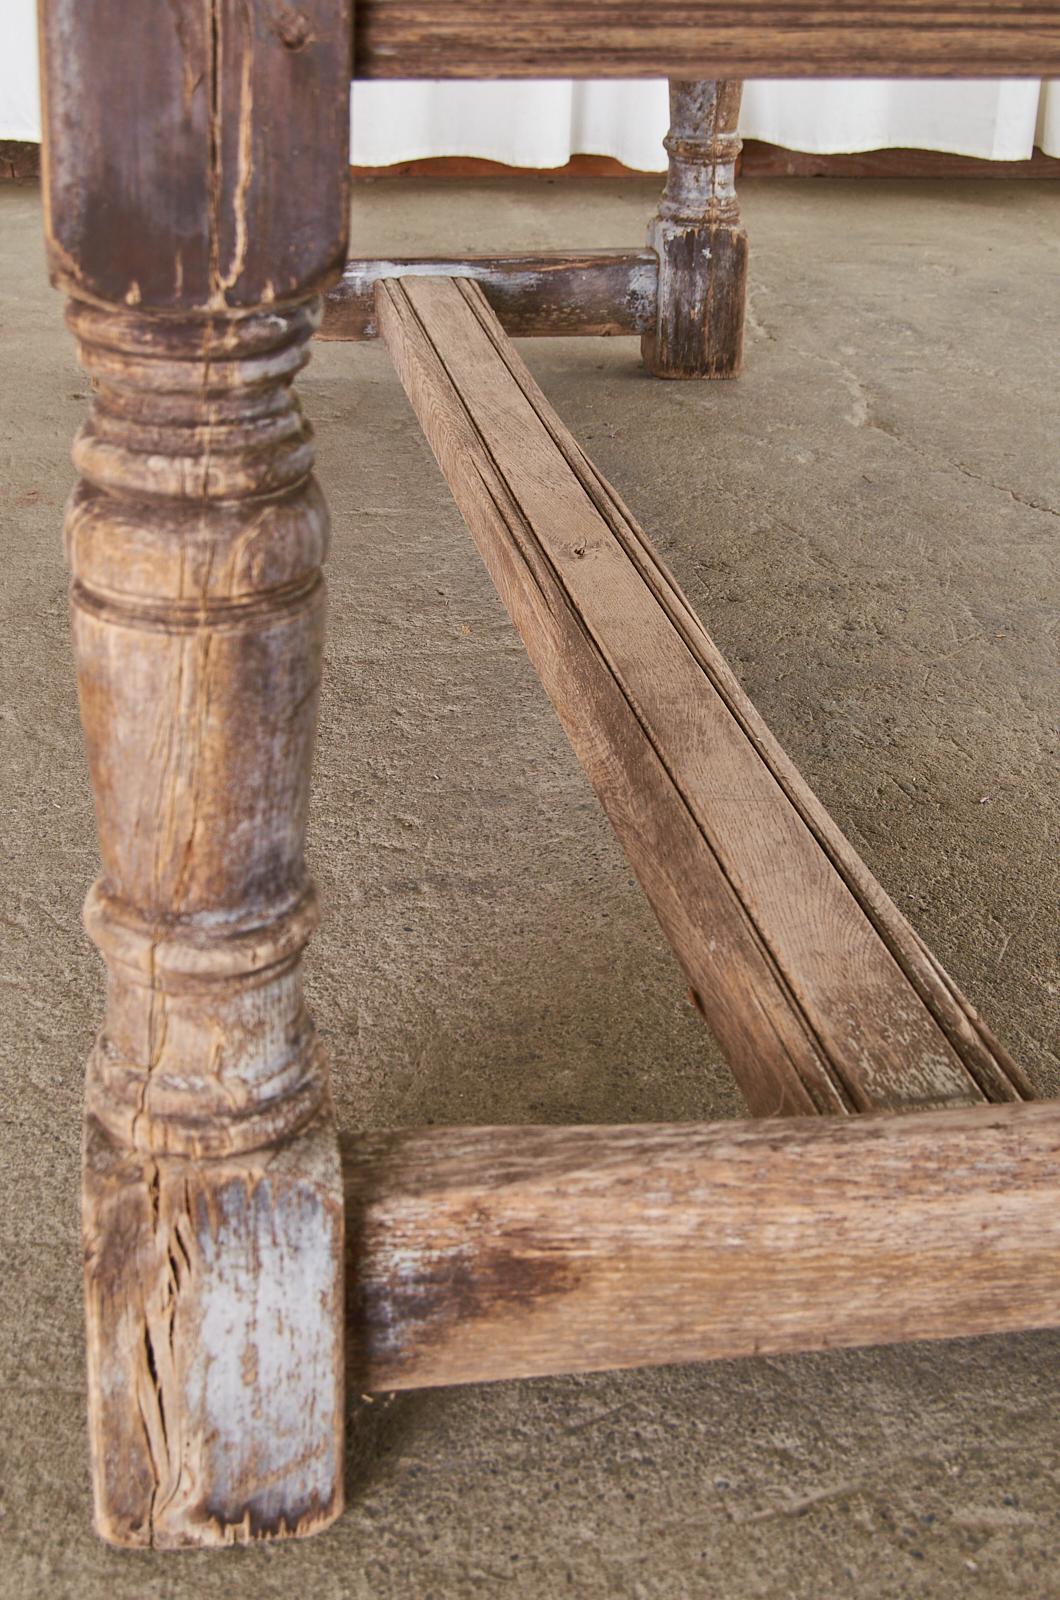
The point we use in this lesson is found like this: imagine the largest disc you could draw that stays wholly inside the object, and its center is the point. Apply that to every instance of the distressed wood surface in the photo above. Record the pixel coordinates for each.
(698, 239)
(190, 226)
(537, 293)
(214, 1310)
(217, 174)
(196, 204)
(754, 39)
(820, 994)
(195, 539)
(485, 1253)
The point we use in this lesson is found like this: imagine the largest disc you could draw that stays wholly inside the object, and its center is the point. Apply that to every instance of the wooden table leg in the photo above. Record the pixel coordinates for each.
(196, 203)
(697, 236)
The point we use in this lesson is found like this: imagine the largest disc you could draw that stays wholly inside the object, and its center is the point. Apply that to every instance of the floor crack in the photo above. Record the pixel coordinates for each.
(861, 417)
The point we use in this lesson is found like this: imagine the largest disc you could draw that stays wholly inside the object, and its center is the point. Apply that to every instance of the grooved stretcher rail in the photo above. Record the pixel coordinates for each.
(821, 995)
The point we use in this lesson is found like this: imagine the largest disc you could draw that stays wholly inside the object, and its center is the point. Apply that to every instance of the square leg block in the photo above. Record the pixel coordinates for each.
(215, 1340)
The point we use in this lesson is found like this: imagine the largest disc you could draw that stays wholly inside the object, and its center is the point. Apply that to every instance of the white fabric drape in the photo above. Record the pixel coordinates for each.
(993, 118)
(19, 89)
(541, 124)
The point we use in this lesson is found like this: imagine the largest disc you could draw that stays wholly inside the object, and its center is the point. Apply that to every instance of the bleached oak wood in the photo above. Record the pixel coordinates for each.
(485, 1253)
(214, 1311)
(820, 994)
(698, 239)
(195, 181)
(191, 241)
(536, 293)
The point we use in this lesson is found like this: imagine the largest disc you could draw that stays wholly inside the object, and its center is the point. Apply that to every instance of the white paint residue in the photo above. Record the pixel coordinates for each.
(265, 1369)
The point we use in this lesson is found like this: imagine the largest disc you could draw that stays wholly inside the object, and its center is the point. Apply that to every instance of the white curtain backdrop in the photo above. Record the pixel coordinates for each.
(541, 124)
(19, 93)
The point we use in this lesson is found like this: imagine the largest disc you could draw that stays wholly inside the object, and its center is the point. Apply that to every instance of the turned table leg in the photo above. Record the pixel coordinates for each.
(192, 242)
(697, 236)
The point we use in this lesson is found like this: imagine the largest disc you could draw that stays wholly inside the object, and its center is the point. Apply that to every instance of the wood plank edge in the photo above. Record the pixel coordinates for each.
(809, 1081)
(989, 1066)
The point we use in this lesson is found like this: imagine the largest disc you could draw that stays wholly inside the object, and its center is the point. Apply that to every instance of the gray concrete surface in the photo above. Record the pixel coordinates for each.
(868, 526)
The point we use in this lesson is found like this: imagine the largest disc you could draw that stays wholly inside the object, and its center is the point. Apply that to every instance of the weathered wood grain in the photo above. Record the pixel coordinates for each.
(538, 293)
(195, 538)
(485, 1253)
(692, 39)
(195, 151)
(215, 1333)
(698, 240)
(820, 994)
(196, 203)
(190, 218)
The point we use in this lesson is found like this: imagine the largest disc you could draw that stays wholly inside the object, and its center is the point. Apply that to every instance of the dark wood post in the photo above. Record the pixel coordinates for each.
(195, 171)
(697, 236)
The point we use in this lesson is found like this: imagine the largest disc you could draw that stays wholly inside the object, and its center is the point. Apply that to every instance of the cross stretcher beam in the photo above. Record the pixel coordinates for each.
(821, 995)
(535, 293)
(486, 1253)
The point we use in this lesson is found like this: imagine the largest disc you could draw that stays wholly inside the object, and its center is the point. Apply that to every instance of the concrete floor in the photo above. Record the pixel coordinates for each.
(865, 521)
